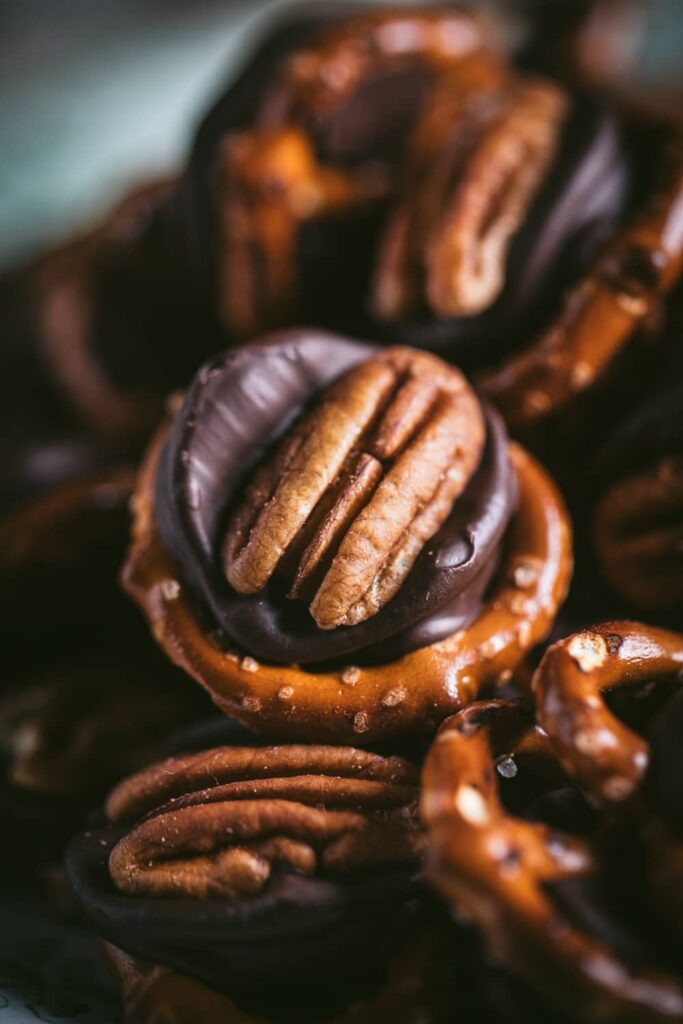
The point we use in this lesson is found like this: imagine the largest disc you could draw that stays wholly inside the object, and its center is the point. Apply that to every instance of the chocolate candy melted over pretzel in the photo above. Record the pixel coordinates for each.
(244, 865)
(370, 522)
(562, 838)
(638, 521)
(394, 164)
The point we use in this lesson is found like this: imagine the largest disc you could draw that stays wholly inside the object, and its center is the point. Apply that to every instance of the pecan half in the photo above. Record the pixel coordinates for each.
(448, 240)
(358, 486)
(217, 823)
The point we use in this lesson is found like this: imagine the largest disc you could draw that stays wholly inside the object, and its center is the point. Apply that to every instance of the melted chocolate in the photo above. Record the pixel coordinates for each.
(575, 210)
(304, 943)
(237, 408)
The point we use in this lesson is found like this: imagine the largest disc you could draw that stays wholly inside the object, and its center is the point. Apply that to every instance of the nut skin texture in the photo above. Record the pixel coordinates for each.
(450, 237)
(411, 694)
(387, 451)
(520, 880)
(216, 824)
(285, 878)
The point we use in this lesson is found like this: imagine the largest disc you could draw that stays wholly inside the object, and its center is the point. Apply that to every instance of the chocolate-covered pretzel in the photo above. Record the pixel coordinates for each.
(318, 539)
(386, 171)
(414, 991)
(292, 168)
(282, 877)
(557, 839)
(638, 512)
(108, 326)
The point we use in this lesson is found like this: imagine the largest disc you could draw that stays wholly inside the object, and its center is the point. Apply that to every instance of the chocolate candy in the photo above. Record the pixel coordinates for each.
(234, 412)
(297, 943)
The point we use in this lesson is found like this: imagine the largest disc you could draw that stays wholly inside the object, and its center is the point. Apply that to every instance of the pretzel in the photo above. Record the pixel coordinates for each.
(276, 175)
(601, 313)
(64, 293)
(522, 881)
(362, 704)
(607, 758)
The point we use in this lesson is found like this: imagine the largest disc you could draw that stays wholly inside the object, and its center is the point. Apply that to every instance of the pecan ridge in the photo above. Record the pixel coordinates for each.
(216, 823)
(468, 191)
(359, 486)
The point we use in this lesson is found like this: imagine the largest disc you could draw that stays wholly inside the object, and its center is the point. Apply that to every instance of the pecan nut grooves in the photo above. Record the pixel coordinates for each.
(467, 608)
(376, 467)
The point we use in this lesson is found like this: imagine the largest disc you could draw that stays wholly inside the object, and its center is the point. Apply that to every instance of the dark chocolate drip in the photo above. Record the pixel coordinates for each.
(574, 212)
(234, 412)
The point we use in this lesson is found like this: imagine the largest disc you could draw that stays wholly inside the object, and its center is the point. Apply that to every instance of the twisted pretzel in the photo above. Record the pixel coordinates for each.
(524, 884)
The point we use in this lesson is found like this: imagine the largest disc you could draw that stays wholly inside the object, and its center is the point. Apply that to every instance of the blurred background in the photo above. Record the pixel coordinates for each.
(97, 94)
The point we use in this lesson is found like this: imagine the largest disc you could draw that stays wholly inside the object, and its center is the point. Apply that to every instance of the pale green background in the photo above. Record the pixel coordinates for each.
(95, 94)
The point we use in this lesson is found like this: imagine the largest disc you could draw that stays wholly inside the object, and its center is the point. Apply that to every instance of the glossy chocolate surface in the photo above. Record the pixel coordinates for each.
(574, 212)
(233, 413)
(302, 943)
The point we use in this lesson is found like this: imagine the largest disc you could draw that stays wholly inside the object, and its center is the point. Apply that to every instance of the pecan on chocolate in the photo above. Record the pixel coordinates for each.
(639, 535)
(321, 151)
(216, 824)
(358, 487)
(468, 192)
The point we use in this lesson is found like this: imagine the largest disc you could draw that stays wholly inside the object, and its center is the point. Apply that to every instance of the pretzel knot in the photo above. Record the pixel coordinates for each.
(558, 837)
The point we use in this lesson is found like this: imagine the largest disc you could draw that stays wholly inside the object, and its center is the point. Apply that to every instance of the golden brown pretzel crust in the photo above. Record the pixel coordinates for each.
(607, 758)
(152, 993)
(496, 868)
(601, 313)
(362, 705)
